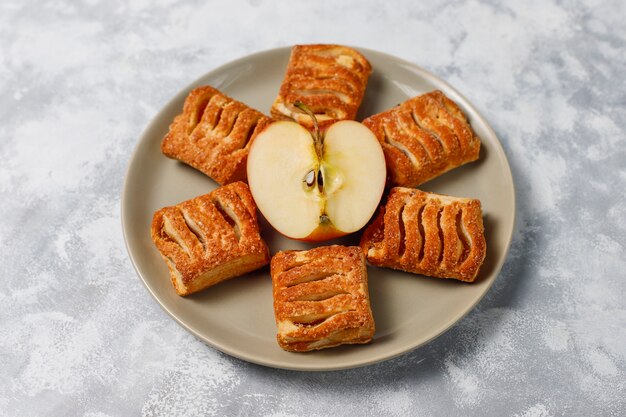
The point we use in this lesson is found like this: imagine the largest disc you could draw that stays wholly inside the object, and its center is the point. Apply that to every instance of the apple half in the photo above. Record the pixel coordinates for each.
(313, 186)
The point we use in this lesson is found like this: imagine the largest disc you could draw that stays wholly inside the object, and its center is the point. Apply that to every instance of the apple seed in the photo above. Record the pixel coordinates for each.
(320, 180)
(309, 178)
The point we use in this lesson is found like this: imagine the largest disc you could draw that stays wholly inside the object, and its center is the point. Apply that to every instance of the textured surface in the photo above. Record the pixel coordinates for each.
(79, 334)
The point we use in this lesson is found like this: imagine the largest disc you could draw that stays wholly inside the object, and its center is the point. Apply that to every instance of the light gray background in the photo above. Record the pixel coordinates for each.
(79, 334)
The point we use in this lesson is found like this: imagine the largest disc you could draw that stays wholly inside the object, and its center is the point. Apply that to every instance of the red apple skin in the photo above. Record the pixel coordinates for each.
(320, 234)
(323, 232)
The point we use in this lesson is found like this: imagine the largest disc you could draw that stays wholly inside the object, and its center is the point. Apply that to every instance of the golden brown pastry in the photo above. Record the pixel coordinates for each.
(428, 234)
(210, 238)
(424, 137)
(329, 79)
(321, 298)
(213, 134)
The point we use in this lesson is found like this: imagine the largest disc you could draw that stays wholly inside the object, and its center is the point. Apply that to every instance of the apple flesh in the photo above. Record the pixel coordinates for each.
(316, 188)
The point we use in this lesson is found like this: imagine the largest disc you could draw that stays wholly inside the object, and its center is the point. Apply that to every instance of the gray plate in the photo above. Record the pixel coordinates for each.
(237, 316)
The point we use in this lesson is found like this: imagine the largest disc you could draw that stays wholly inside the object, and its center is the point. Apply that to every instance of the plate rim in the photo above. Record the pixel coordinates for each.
(430, 77)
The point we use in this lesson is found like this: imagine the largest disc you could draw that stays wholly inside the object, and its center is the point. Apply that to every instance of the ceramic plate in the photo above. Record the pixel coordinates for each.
(237, 316)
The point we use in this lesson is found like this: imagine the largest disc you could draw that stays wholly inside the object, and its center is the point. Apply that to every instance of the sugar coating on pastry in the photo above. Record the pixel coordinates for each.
(321, 298)
(429, 234)
(213, 134)
(329, 79)
(423, 138)
(210, 238)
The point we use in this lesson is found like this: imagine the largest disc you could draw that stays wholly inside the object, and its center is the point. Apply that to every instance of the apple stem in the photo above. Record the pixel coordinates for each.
(318, 140)
(317, 137)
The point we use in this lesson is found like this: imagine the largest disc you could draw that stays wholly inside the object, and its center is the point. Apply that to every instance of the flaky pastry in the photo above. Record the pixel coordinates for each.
(321, 298)
(423, 138)
(210, 238)
(428, 234)
(329, 79)
(213, 134)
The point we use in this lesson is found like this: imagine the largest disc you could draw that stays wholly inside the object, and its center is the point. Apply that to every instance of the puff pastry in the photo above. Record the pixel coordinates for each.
(329, 79)
(213, 134)
(321, 298)
(210, 238)
(428, 234)
(424, 137)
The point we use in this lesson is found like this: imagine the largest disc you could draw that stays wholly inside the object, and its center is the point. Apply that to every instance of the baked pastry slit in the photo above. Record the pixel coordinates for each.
(431, 121)
(315, 290)
(428, 118)
(414, 150)
(311, 277)
(412, 134)
(194, 228)
(402, 233)
(428, 234)
(175, 230)
(229, 217)
(321, 298)
(464, 238)
(213, 134)
(421, 233)
(210, 238)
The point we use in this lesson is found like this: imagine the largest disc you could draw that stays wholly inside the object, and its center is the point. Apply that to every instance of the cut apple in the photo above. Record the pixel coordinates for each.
(314, 186)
